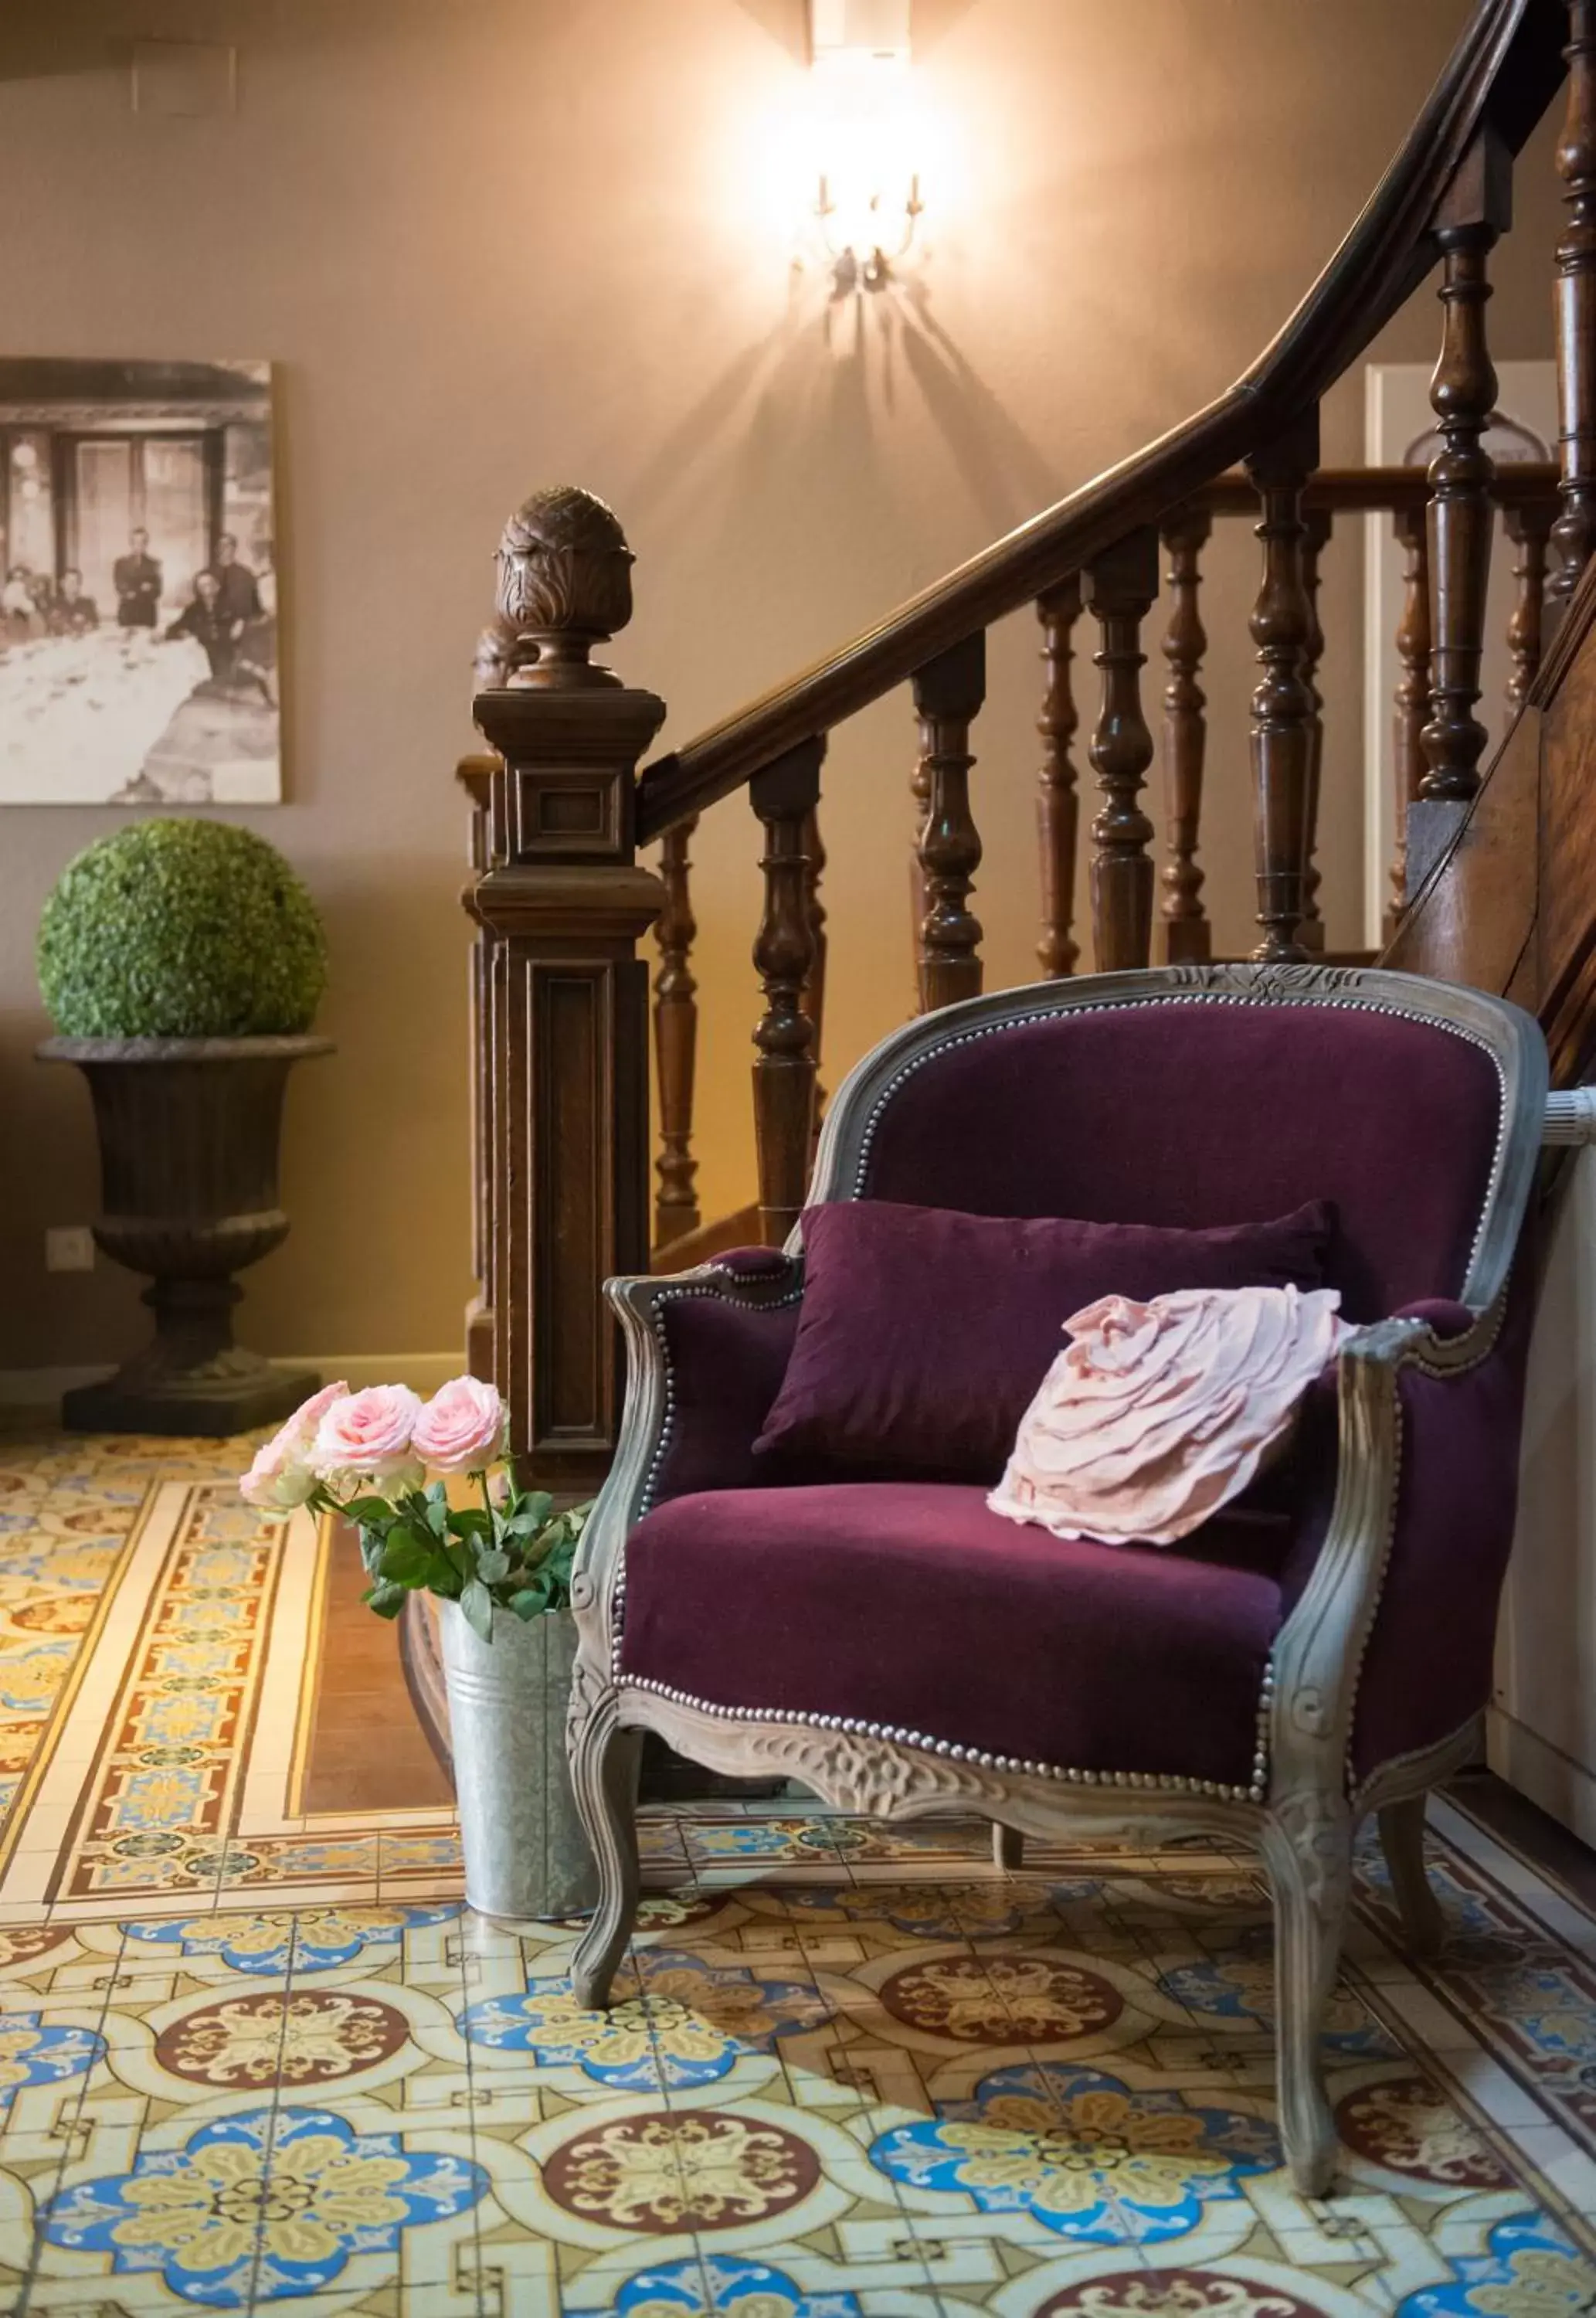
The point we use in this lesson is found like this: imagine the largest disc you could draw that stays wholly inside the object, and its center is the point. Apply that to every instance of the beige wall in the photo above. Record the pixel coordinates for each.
(497, 242)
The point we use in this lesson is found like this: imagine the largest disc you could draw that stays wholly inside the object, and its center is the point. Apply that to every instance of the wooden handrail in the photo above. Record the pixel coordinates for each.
(562, 902)
(1501, 76)
(1376, 491)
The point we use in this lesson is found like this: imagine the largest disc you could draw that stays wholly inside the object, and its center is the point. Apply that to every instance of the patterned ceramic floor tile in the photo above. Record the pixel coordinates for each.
(63, 1529)
(762, 1844)
(249, 2060)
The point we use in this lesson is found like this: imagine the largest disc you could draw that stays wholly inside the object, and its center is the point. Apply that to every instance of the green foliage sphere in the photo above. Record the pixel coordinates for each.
(180, 930)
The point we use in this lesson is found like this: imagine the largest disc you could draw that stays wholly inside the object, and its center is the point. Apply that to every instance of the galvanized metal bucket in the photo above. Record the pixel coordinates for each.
(525, 1853)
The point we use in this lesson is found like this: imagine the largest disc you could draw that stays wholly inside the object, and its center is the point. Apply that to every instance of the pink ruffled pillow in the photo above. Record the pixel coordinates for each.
(1156, 1414)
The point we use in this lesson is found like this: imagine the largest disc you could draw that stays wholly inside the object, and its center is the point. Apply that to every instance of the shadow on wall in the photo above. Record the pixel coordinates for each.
(832, 372)
(1004, 473)
(385, 929)
(32, 46)
(46, 1322)
(852, 426)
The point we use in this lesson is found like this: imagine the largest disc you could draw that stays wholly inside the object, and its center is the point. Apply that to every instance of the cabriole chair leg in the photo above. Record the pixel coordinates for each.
(1310, 1869)
(604, 1762)
(1402, 1839)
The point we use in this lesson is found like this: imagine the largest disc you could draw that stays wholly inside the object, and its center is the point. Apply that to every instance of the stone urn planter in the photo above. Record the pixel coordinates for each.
(189, 1132)
(526, 1854)
(181, 963)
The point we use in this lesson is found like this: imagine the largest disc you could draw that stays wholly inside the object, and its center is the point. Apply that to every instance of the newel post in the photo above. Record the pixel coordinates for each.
(565, 906)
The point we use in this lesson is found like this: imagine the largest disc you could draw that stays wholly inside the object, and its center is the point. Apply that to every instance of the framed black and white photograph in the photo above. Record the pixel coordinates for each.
(138, 584)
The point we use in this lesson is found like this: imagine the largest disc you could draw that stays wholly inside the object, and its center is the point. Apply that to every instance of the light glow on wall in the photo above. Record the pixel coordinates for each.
(843, 166)
(866, 140)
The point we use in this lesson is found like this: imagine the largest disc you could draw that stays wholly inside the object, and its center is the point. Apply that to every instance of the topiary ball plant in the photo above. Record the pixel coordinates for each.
(180, 930)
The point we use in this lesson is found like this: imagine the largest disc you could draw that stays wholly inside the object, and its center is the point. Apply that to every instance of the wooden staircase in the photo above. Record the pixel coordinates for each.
(1509, 903)
(1492, 882)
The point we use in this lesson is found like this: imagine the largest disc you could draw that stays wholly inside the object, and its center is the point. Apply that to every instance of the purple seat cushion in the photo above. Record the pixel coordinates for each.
(910, 1606)
(924, 1334)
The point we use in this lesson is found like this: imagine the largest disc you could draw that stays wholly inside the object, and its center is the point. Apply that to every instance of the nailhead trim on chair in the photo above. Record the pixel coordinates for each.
(656, 1321)
(1260, 1759)
(1232, 998)
(1144, 1780)
(1257, 1788)
(1386, 1547)
(656, 1465)
(1193, 998)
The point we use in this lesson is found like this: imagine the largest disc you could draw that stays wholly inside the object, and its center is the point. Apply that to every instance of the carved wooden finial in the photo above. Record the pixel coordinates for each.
(564, 585)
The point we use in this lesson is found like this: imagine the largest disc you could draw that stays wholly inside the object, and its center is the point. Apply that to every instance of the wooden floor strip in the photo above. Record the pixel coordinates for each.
(367, 1749)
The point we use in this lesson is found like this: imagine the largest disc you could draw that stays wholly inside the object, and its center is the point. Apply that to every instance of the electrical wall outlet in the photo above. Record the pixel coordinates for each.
(70, 1247)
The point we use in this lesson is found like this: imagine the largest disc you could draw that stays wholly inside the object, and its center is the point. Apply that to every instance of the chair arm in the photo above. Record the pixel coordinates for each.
(1427, 1668)
(706, 1353)
(1386, 1649)
(754, 1263)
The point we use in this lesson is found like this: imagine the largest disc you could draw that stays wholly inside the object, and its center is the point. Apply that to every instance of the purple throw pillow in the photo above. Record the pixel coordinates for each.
(924, 1333)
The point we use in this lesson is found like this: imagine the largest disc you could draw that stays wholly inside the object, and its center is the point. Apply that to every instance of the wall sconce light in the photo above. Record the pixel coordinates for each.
(868, 199)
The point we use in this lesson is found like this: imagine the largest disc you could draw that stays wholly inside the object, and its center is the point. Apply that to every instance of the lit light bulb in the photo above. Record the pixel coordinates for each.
(838, 167)
(865, 139)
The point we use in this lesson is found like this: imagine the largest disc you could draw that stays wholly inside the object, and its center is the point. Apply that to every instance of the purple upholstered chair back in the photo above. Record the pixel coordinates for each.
(1144, 1099)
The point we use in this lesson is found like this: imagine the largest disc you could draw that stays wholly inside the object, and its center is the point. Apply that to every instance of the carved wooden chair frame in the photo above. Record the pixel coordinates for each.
(1301, 1808)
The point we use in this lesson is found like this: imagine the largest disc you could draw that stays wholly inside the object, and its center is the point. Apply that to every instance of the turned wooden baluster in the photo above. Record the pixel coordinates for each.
(919, 788)
(1412, 703)
(815, 989)
(1318, 522)
(1573, 534)
(1528, 527)
(1186, 931)
(1120, 589)
(1058, 809)
(1462, 513)
(949, 692)
(784, 796)
(1283, 715)
(675, 1040)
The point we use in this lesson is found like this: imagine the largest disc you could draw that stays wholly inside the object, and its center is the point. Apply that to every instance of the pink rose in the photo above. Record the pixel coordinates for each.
(368, 1433)
(1157, 1414)
(461, 1429)
(282, 1476)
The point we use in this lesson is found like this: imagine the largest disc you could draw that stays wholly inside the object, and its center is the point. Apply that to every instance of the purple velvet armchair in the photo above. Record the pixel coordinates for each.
(903, 1651)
